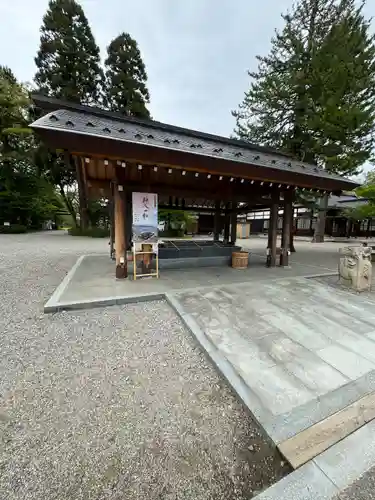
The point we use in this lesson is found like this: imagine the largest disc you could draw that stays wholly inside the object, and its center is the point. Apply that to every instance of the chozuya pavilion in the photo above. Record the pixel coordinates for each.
(117, 156)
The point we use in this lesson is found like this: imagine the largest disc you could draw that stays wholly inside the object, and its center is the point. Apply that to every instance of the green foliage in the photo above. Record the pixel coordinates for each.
(68, 59)
(307, 200)
(94, 232)
(126, 78)
(360, 213)
(36, 184)
(314, 94)
(177, 222)
(13, 229)
(6, 74)
(367, 191)
(98, 213)
(61, 175)
(174, 216)
(26, 197)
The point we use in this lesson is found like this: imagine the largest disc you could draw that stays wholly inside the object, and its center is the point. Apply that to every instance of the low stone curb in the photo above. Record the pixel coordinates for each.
(52, 304)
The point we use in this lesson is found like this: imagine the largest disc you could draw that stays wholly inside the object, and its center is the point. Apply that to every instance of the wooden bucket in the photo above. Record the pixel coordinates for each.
(240, 260)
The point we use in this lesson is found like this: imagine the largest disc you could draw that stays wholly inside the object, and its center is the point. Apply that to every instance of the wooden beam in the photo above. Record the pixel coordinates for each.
(128, 220)
(147, 154)
(121, 262)
(252, 197)
(112, 223)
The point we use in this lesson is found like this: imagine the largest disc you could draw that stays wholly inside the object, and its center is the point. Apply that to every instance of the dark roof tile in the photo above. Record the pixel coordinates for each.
(134, 130)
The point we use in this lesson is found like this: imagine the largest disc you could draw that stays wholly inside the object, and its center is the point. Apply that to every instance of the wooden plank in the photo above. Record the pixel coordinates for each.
(309, 443)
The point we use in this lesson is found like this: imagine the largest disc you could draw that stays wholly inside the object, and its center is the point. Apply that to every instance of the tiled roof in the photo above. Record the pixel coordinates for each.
(346, 201)
(172, 138)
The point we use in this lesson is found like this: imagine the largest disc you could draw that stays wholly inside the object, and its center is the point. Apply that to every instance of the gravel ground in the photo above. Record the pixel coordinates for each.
(113, 403)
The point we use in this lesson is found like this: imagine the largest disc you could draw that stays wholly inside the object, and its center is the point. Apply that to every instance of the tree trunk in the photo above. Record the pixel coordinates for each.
(292, 231)
(321, 222)
(368, 227)
(69, 205)
(349, 228)
(83, 202)
(311, 222)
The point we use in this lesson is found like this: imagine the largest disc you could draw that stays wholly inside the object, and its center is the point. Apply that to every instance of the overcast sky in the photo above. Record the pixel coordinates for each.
(197, 52)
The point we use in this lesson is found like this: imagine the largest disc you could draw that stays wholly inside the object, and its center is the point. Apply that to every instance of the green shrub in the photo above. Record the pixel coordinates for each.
(172, 233)
(13, 229)
(93, 232)
(99, 232)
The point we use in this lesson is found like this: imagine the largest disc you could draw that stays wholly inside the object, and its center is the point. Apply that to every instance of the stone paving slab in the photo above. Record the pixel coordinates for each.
(270, 342)
(298, 419)
(257, 328)
(307, 483)
(331, 472)
(350, 458)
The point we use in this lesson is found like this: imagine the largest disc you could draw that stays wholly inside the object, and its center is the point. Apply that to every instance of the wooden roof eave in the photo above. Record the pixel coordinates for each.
(86, 145)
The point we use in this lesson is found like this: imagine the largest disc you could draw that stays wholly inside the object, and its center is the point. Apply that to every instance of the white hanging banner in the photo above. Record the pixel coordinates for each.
(145, 219)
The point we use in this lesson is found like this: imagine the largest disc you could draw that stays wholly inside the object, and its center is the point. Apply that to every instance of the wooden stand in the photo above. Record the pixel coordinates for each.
(146, 253)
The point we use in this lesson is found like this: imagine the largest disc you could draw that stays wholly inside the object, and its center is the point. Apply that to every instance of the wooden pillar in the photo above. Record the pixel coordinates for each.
(217, 221)
(227, 224)
(287, 220)
(128, 220)
(233, 224)
(111, 223)
(120, 240)
(272, 230)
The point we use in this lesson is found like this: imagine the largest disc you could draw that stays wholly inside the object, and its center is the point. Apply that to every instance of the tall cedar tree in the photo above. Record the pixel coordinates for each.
(314, 95)
(126, 78)
(68, 63)
(68, 59)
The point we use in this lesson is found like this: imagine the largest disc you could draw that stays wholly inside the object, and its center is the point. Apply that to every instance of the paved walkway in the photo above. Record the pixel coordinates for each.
(298, 346)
